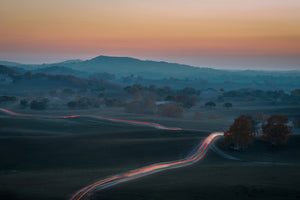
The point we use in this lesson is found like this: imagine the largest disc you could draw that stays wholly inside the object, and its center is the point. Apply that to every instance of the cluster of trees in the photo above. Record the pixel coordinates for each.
(273, 96)
(5, 99)
(241, 132)
(104, 76)
(10, 72)
(171, 110)
(85, 102)
(65, 78)
(211, 104)
(92, 82)
(114, 102)
(147, 106)
(186, 97)
(40, 104)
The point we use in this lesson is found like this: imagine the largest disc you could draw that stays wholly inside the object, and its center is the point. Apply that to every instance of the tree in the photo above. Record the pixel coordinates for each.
(197, 115)
(227, 105)
(171, 110)
(39, 105)
(4, 99)
(24, 103)
(210, 104)
(191, 102)
(276, 130)
(240, 133)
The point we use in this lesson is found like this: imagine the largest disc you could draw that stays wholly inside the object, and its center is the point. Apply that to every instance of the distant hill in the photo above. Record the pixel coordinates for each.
(57, 70)
(8, 71)
(124, 66)
(153, 70)
(7, 63)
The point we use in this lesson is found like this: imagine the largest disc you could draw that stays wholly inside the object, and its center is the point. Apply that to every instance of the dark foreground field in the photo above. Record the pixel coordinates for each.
(51, 159)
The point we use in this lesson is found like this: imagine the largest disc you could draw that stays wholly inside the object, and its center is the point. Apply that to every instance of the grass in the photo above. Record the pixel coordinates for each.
(230, 181)
(53, 166)
(262, 151)
(51, 159)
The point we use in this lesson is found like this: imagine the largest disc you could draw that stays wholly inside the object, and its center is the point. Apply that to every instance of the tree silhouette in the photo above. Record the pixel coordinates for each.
(276, 130)
(227, 105)
(210, 104)
(240, 132)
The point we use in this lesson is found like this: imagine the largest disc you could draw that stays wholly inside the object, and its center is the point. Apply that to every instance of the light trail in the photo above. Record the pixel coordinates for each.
(140, 172)
(137, 173)
(149, 124)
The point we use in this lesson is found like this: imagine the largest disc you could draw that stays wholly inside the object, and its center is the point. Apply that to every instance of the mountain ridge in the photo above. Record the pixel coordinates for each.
(126, 66)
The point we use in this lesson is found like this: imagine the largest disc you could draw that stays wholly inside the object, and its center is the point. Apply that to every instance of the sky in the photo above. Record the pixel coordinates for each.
(236, 34)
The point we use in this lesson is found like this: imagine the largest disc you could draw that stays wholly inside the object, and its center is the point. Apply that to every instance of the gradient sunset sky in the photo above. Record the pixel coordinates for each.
(255, 34)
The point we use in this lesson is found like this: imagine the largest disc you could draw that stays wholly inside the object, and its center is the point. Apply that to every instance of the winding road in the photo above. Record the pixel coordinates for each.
(137, 173)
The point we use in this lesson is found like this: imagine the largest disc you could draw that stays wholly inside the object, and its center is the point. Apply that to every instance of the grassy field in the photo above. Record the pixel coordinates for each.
(56, 164)
(212, 181)
(43, 159)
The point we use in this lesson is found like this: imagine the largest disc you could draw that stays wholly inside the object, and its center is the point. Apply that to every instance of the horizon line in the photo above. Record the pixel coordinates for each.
(153, 60)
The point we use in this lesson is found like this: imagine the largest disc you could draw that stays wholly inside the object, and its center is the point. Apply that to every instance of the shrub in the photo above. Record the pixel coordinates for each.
(227, 105)
(210, 104)
(24, 103)
(39, 105)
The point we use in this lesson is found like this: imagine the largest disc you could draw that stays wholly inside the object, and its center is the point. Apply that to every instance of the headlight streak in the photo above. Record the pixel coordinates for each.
(149, 124)
(144, 171)
(137, 173)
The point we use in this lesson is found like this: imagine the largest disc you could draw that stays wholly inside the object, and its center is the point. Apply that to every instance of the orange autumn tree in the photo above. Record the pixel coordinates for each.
(276, 130)
(240, 133)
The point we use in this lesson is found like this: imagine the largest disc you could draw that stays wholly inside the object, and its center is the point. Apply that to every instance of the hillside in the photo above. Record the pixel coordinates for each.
(57, 70)
(156, 71)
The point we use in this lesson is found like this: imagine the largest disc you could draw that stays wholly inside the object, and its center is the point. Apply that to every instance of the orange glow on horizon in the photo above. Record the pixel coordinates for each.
(215, 27)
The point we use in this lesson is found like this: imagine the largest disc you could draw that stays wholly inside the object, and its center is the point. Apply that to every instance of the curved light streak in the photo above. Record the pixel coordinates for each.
(149, 124)
(192, 158)
(144, 171)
